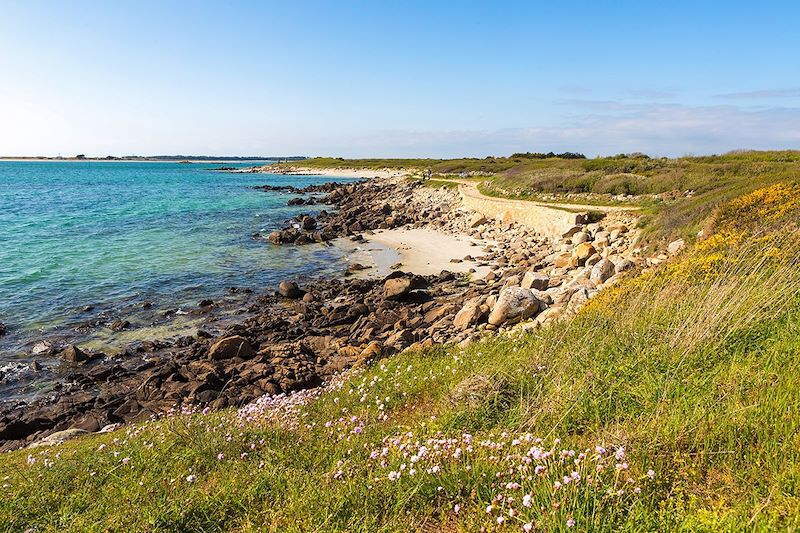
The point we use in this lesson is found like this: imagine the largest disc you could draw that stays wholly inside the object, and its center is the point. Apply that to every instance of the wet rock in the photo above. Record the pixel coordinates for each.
(206, 303)
(3, 329)
(119, 325)
(289, 289)
(73, 354)
(43, 348)
(229, 347)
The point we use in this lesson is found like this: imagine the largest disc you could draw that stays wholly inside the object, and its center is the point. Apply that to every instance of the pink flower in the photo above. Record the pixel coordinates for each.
(191, 478)
(651, 474)
(526, 500)
(220, 456)
(456, 508)
(126, 460)
(527, 527)
(570, 522)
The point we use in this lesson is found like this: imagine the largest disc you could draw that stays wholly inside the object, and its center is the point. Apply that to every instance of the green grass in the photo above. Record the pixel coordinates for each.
(655, 182)
(692, 368)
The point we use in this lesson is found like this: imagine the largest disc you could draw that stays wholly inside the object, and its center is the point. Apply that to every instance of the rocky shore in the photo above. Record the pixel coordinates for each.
(297, 335)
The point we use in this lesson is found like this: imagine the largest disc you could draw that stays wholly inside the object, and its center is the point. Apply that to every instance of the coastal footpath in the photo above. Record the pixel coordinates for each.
(299, 335)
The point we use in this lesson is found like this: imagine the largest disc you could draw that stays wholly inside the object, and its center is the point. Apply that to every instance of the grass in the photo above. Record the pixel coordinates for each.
(680, 383)
(657, 185)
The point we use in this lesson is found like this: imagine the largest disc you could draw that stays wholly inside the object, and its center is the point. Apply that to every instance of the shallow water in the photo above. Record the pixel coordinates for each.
(91, 241)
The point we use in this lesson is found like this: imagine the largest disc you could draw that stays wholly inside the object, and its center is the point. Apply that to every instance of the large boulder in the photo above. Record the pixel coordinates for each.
(535, 280)
(397, 288)
(601, 271)
(289, 289)
(514, 303)
(235, 346)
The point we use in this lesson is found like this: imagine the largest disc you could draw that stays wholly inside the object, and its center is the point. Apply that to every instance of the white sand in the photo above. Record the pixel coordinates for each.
(419, 250)
(345, 172)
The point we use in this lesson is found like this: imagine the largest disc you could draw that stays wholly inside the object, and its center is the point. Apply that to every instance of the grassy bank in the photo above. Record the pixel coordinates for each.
(669, 403)
(677, 195)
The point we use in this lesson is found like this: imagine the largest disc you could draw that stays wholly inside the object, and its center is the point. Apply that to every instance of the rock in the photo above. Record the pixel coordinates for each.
(289, 289)
(469, 315)
(206, 303)
(535, 280)
(73, 354)
(580, 237)
(308, 223)
(58, 437)
(398, 288)
(119, 325)
(235, 346)
(514, 303)
(476, 220)
(623, 265)
(43, 348)
(571, 231)
(579, 297)
(2, 329)
(676, 246)
(603, 270)
(583, 252)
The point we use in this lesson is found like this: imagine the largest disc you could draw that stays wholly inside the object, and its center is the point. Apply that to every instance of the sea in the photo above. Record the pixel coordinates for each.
(86, 243)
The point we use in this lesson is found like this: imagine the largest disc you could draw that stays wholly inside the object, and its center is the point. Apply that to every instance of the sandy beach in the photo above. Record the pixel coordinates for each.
(337, 172)
(419, 250)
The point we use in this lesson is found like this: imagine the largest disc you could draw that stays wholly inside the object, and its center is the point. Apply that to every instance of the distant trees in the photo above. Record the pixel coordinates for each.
(548, 155)
(80, 156)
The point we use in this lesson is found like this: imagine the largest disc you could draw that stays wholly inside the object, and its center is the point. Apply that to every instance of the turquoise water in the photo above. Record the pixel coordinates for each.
(110, 234)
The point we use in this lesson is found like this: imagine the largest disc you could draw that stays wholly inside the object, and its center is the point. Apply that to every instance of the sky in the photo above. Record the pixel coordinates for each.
(386, 78)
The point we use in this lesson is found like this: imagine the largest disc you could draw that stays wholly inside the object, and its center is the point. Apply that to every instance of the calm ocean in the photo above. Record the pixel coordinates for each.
(86, 241)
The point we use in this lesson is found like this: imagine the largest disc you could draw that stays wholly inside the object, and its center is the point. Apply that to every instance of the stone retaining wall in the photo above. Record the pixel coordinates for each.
(547, 221)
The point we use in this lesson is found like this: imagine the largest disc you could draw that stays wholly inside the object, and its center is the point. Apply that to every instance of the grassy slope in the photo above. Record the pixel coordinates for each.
(692, 368)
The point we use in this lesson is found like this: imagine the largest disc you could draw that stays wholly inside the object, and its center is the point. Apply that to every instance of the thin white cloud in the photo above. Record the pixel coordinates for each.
(762, 94)
(668, 129)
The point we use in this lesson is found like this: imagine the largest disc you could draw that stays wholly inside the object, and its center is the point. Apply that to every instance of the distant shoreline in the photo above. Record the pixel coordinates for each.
(187, 160)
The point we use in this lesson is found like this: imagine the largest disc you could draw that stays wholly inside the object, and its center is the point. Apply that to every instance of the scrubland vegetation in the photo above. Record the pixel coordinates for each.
(670, 402)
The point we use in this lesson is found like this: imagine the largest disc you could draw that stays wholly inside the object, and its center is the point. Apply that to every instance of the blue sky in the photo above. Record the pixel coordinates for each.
(392, 78)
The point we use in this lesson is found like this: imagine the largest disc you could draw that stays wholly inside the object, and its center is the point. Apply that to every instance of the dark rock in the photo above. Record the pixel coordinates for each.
(289, 289)
(229, 347)
(119, 325)
(73, 354)
(206, 303)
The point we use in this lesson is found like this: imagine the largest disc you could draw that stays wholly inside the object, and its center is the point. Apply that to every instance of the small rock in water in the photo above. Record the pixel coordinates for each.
(73, 354)
(43, 348)
(119, 325)
(2, 329)
(206, 303)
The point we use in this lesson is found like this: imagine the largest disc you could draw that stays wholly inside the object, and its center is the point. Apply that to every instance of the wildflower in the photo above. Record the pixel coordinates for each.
(527, 528)
(651, 474)
(489, 509)
(220, 456)
(570, 522)
(637, 490)
(31, 459)
(191, 478)
(126, 460)
(526, 500)
(456, 508)
(500, 519)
